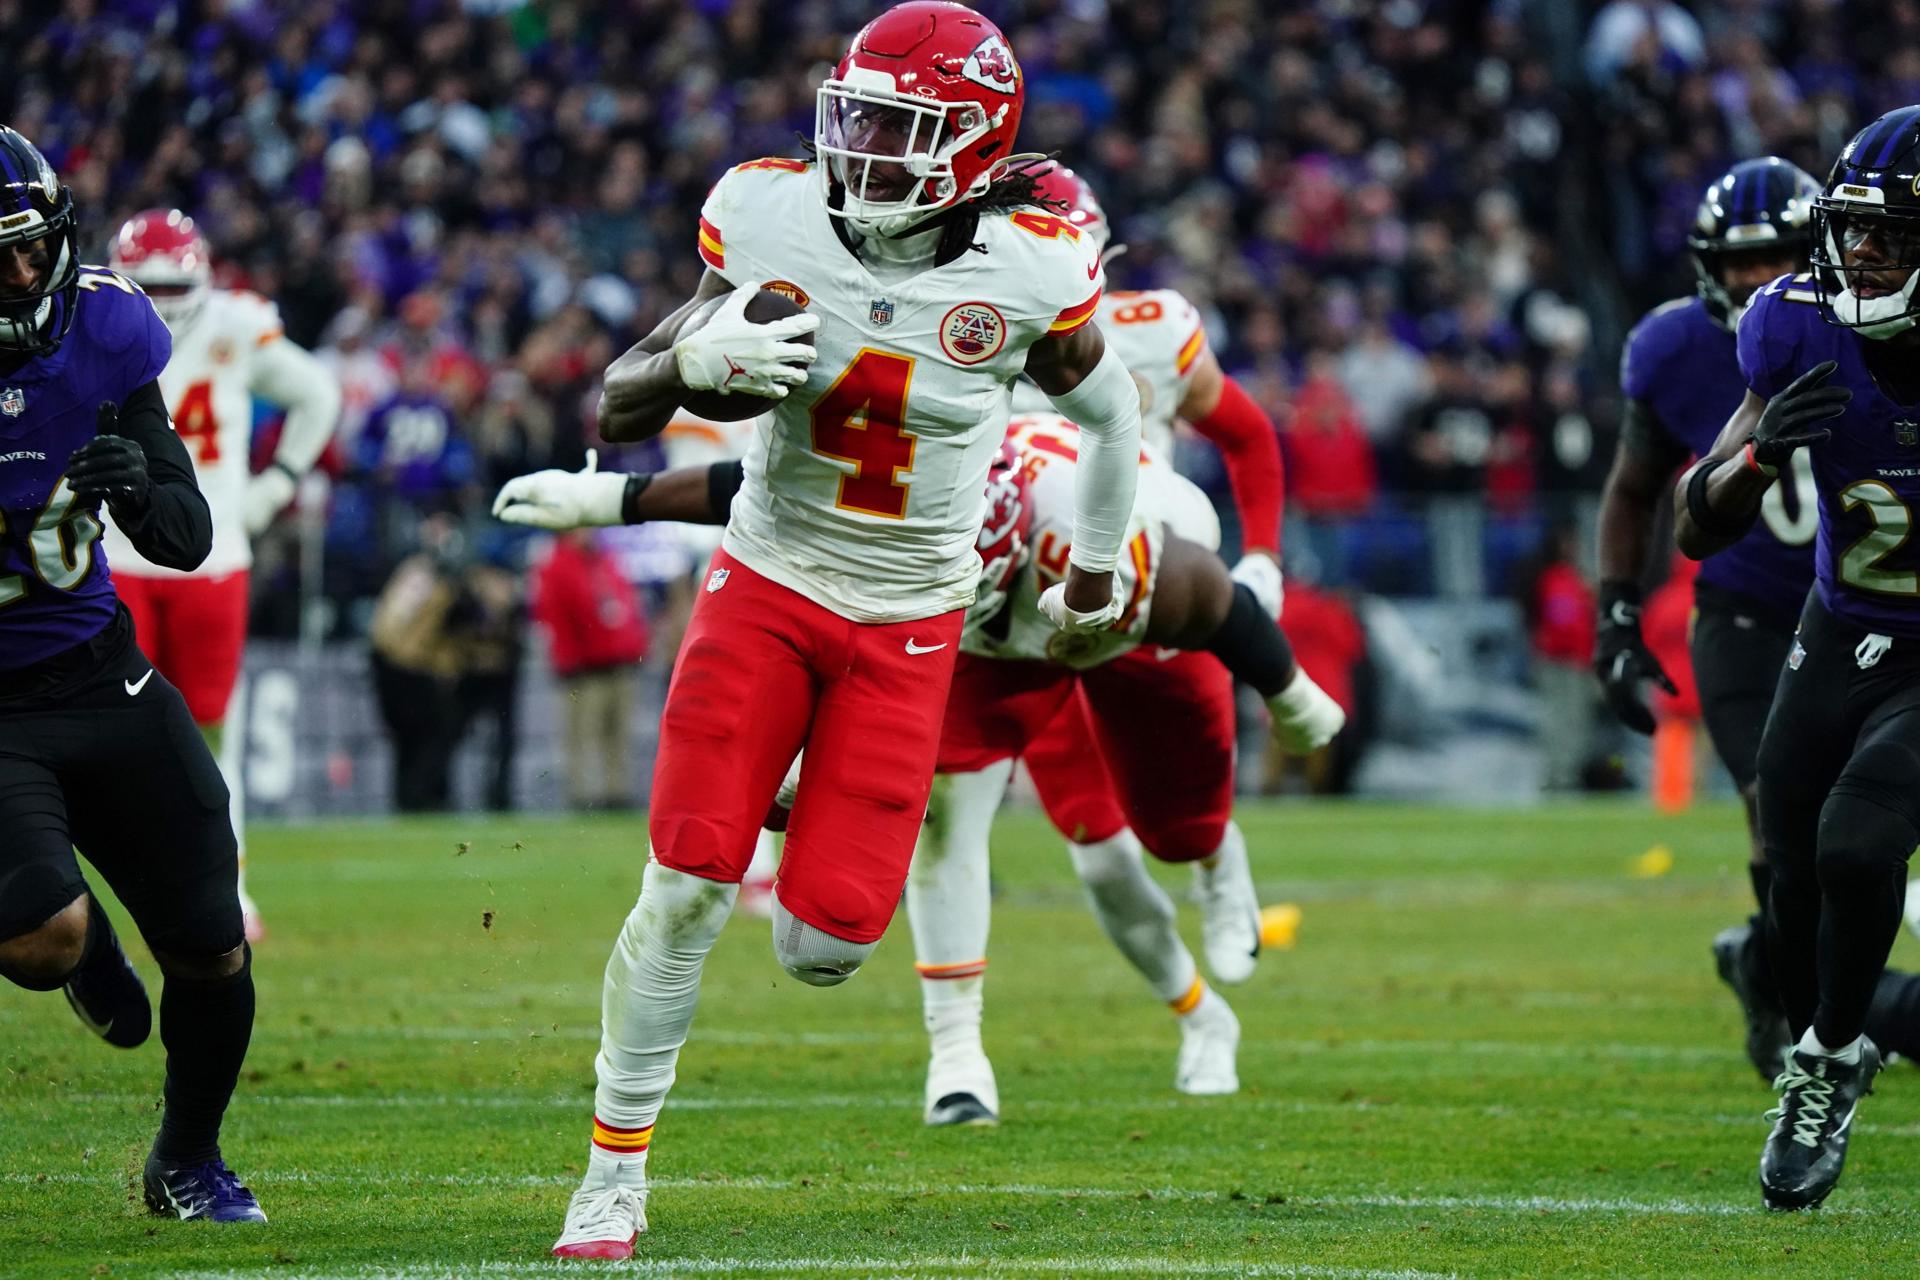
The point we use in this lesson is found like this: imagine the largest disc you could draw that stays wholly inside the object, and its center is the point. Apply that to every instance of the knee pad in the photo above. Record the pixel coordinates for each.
(1865, 839)
(811, 954)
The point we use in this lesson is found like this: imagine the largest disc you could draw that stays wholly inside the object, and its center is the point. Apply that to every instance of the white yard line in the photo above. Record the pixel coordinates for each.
(1572, 1205)
(905, 1036)
(944, 1266)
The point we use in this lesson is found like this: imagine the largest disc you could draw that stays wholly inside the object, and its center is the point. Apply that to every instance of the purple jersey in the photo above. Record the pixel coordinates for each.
(54, 589)
(1866, 560)
(1685, 368)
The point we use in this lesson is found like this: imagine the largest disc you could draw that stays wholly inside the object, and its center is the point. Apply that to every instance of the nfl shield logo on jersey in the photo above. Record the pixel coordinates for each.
(717, 579)
(1906, 432)
(13, 402)
(881, 313)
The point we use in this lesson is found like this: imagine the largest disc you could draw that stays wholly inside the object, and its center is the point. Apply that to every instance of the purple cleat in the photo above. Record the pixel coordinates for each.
(208, 1190)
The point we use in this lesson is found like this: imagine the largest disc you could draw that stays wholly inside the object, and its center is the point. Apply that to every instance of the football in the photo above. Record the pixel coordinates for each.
(766, 306)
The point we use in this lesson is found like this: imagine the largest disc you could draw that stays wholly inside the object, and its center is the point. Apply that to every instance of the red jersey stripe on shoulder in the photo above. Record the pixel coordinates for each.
(1190, 349)
(1075, 317)
(713, 249)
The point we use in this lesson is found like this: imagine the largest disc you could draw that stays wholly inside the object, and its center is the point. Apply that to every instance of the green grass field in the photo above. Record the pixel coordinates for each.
(1495, 1051)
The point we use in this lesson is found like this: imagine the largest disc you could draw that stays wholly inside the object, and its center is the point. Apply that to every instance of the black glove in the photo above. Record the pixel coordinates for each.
(1621, 658)
(111, 467)
(1787, 422)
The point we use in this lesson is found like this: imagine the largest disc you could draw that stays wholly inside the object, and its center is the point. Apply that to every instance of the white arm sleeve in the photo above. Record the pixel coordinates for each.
(287, 376)
(1106, 406)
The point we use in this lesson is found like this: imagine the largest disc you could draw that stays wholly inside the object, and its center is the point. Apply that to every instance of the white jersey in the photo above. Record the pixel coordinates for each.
(693, 441)
(1158, 335)
(208, 387)
(1166, 502)
(865, 487)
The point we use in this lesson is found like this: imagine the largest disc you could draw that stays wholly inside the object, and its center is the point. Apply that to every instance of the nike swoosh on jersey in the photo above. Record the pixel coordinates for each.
(135, 686)
(926, 648)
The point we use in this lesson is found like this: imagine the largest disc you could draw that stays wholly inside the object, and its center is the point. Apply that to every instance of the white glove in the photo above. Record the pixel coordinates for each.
(1053, 603)
(731, 353)
(556, 499)
(1305, 718)
(267, 496)
(1259, 573)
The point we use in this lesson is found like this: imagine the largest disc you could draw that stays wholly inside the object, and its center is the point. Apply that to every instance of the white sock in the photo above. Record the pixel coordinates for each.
(1848, 1053)
(646, 1005)
(950, 901)
(1137, 915)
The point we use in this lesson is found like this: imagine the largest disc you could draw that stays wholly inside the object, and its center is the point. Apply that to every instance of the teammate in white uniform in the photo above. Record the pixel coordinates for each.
(228, 350)
(832, 612)
(1160, 336)
(1018, 672)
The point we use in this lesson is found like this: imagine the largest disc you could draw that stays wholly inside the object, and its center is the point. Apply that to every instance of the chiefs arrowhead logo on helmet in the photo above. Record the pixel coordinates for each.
(991, 66)
(1004, 534)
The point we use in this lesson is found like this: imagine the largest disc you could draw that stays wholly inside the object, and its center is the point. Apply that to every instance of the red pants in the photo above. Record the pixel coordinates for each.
(192, 629)
(763, 672)
(1138, 742)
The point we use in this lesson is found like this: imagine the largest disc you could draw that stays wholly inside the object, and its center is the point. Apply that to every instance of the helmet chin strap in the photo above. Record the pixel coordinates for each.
(16, 334)
(1878, 318)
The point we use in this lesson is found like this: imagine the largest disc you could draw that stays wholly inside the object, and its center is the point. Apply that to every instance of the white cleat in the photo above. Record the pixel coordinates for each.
(603, 1222)
(1209, 1045)
(1229, 914)
(961, 1090)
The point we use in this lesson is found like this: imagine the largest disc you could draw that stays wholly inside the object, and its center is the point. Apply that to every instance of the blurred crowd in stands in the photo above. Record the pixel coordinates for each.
(1417, 228)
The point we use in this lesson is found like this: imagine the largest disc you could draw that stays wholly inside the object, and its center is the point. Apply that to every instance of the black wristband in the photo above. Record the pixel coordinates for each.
(637, 483)
(1705, 518)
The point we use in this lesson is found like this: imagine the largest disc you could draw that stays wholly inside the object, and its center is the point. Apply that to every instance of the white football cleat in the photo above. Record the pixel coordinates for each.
(1209, 1045)
(1229, 914)
(961, 1089)
(603, 1222)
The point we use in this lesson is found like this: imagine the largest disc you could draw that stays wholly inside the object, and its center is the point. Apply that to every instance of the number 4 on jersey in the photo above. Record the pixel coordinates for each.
(195, 424)
(859, 421)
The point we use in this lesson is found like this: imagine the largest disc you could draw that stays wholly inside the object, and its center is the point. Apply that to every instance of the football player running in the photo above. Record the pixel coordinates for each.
(228, 349)
(1153, 696)
(1015, 675)
(1158, 334)
(831, 616)
(97, 750)
(1682, 381)
(1829, 363)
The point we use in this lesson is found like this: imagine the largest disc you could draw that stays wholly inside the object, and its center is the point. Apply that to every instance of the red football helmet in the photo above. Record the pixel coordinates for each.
(164, 253)
(920, 115)
(1056, 182)
(1005, 534)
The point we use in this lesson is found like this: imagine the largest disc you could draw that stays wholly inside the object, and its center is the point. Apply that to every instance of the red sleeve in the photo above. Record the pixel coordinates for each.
(1251, 448)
